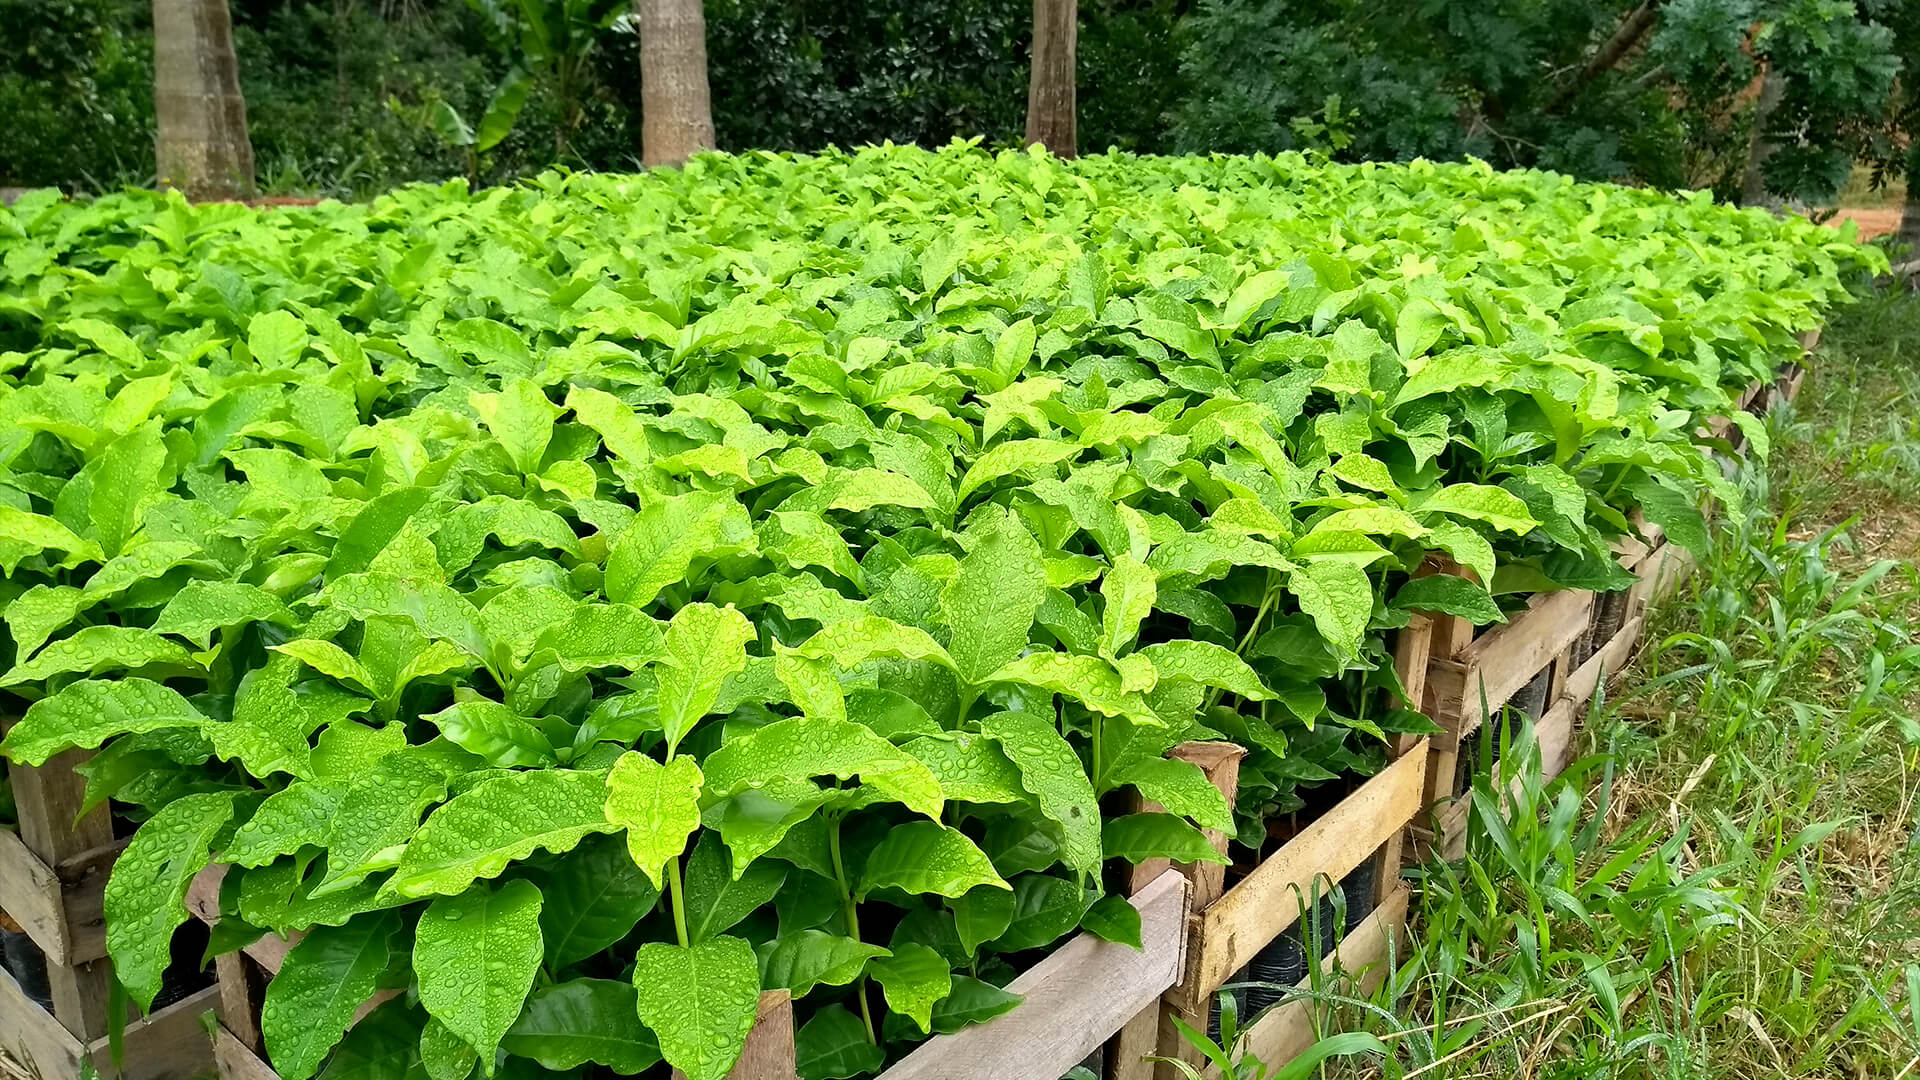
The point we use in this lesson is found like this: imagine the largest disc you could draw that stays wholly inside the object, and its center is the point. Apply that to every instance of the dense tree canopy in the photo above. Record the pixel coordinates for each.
(349, 96)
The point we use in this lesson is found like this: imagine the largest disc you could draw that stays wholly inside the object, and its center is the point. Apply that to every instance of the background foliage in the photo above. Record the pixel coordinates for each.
(343, 94)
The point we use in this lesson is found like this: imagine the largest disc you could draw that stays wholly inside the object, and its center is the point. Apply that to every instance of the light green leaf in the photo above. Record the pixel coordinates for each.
(1128, 590)
(131, 474)
(201, 607)
(1179, 786)
(700, 1001)
(1207, 664)
(521, 417)
(1052, 772)
(852, 643)
(991, 602)
(805, 747)
(94, 649)
(915, 978)
(658, 805)
(1497, 507)
(1338, 597)
(496, 733)
(1018, 456)
(980, 916)
(478, 832)
(1111, 918)
(668, 537)
(1090, 680)
(146, 894)
(86, 714)
(704, 646)
(475, 956)
(1011, 352)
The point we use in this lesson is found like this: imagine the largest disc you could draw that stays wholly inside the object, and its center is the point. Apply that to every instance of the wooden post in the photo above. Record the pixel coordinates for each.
(1412, 649)
(769, 1053)
(48, 800)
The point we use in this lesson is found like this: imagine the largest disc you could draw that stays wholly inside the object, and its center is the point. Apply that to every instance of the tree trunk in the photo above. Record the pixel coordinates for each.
(1051, 104)
(200, 117)
(1910, 214)
(676, 111)
(1753, 186)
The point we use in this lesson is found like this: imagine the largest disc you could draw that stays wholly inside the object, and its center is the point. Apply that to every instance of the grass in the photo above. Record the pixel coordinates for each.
(1727, 885)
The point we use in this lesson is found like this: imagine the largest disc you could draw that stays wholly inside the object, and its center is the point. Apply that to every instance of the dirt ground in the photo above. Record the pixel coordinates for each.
(1874, 221)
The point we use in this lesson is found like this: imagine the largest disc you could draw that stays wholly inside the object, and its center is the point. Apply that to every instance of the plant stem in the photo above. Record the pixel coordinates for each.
(676, 889)
(1266, 605)
(853, 921)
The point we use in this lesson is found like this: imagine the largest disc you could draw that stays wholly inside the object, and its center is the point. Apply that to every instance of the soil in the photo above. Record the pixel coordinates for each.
(1874, 221)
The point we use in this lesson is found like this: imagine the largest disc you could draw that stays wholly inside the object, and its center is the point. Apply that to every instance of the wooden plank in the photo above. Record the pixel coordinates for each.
(1412, 656)
(239, 1003)
(1499, 664)
(172, 1044)
(1359, 966)
(31, 1036)
(1075, 998)
(30, 892)
(1268, 900)
(1148, 1033)
(769, 1053)
(236, 1061)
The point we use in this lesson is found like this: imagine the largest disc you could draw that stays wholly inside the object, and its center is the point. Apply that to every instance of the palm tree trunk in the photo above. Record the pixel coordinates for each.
(201, 144)
(676, 109)
(1051, 103)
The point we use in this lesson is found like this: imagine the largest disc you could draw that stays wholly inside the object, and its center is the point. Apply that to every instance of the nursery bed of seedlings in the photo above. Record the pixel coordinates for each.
(578, 611)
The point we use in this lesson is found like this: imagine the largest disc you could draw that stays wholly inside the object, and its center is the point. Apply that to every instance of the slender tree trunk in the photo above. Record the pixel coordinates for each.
(1051, 101)
(1910, 214)
(676, 109)
(1753, 186)
(201, 143)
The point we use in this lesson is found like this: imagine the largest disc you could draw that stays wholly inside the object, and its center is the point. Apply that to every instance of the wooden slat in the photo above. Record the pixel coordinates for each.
(1412, 657)
(1505, 660)
(30, 892)
(769, 1053)
(31, 1036)
(1075, 998)
(236, 1061)
(1268, 900)
(172, 1044)
(1290, 1029)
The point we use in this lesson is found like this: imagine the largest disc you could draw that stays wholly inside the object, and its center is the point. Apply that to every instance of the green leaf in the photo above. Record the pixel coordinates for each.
(520, 416)
(24, 535)
(927, 857)
(1045, 909)
(1139, 837)
(1449, 595)
(1052, 772)
(444, 1055)
(1011, 352)
(808, 958)
(146, 894)
(806, 747)
(705, 646)
(477, 833)
(502, 110)
(852, 643)
(325, 978)
(131, 474)
(377, 814)
(299, 815)
(1339, 598)
(991, 602)
(668, 537)
(94, 649)
(971, 1002)
(969, 767)
(501, 737)
(982, 914)
(833, 1045)
(658, 805)
(1179, 786)
(593, 899)
(584, 1021)
(717, 898)
(1025, 456)
(384, 1045)
(1128, 592)
(86, 714)
(1209, 665)
(1677, 515)
(700, 1001)
(475, 956)
(915, 978)
(436, 610)
(1090, 680)
(1111, 918)
(1498, 507)
(201, 607)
